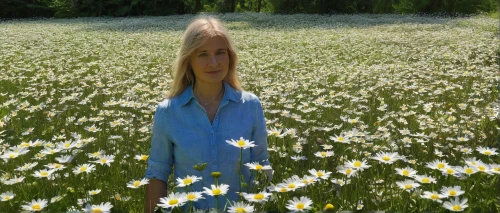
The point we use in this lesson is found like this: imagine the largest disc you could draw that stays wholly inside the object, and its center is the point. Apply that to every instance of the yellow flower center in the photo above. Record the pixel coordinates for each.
(450, 171)
(340, 138)
(357, 164)
(440, 165)
(348, 171)
(83, 169)
(144, 157)
(434, 196)
(300, 206)
(487, 152)
(283, 190)
(137, 183)
(93, 192)
(496, 169)
(481, 168)
(173, 202)
(57, 166)
(241, 143)
(12, 155)
(291, 185)
(239, 209)
(453, 193)
(6, 197)
(36, 207)
(44, 174)
(386, 158)
(258, 167)
(104, 160)
(426, 180)
(323, 154)
(408, 186)
(329, 206)
(191, 197)
(216, 191)
(258, 197)
(96, 210)
(320, 174)
(406, 172)
(469, 171)
(66, 145)
(187, 181)
(457, 208)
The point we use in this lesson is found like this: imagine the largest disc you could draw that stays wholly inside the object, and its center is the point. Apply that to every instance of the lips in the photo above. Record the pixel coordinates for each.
(213, 72)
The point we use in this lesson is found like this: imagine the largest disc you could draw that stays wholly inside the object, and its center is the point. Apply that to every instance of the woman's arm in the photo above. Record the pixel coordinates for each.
(155, 190)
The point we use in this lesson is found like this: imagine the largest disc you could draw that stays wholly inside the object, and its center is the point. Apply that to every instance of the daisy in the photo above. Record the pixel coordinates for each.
(437, 164)
(94, 192)
(141, 157)
(482, 167)
(299, 205)
(257, 198)
(240, 207)
(320, 174)
(188, 180)
(307, 180)
(280, 187)
(387, 157)
(105, 159)
(103, 207)
(424, 179)
(407, 185)
(216, 190)
(97, 154)
(494, 169)
(137, 183)
(241, 143)
(14, 180)
(27, 166)
(468, 170)
(57, 198)
(194, 196)
(35, 205)
(451, 191)
(450, 170)
(7, 196)
(456, 205)
(92, 128)
(275, 132)
(257, 166)
(340, 139)
(358, 165)
(293, 183)
(435, 196)
(66, 145)
(55, 166)
(407, 172)
(323, 154)
(487, 151)
(65, 159)
(174, 199)
(87, 168)
(44, 173)
(347, 171)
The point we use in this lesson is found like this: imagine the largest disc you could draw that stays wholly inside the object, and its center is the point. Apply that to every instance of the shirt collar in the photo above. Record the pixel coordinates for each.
(229, 94)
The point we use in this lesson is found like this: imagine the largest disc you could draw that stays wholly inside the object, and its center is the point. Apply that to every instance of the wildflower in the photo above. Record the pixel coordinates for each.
(456, 205)
(44, 173)
(103, 207)
(297, 158)
(307, 180)
(328, 207)
(55, 166)
(424, 179)
(57, 198)
(141, 157)
(66, 145)
(360, 205)
(320, 173)
(494, 169)
(241, 143)
(87, 168)
(435, 196)
(437, 164)
(137, 183)
(105, 159)
(340, 139)
(275, 132)
(97, 154)
(407, 172)
(257, 166)
(452, 191)
(194, 196)
(387, 158)
(407, 185)
(65, 159)
(174, 199)
(450, 170)
(299, 205)
(216, 190)
(487, 151)
(240, 207)
(188, 180)
(468, 170)
(35, 205)
(347, 171)
(92, 128)
(323, 154)
(260, 197)
(7, 196)
(94, 192)
(293, 183)
(358, 165)
(27, 166)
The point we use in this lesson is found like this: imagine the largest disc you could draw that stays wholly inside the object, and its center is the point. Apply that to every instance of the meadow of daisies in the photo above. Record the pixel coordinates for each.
(364, 112)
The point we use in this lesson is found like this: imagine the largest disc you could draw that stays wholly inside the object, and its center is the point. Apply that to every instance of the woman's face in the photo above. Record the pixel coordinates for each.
(210, 62)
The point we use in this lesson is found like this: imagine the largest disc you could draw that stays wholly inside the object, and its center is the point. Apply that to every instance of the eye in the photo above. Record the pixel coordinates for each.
(221, 52)
(202, 54)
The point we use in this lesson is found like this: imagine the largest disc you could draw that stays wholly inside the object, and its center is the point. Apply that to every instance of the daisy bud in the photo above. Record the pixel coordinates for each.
(215, 174)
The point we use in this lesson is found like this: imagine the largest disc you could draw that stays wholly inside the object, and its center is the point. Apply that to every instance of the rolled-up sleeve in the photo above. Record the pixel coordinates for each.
(259, 136)
(161, 159)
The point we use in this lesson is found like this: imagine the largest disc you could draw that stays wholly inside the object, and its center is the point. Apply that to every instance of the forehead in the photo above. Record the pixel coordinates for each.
(213, 43)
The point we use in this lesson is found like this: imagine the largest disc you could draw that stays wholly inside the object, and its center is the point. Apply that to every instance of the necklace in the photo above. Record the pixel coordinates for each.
(213, 101)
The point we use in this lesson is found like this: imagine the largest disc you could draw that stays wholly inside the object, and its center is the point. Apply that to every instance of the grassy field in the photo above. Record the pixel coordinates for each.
(365, 112)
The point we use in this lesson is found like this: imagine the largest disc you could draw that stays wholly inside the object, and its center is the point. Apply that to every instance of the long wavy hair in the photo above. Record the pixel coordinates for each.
(196, 34)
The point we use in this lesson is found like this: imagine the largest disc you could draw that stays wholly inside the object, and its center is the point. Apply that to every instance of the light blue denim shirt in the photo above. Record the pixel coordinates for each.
(183, 137)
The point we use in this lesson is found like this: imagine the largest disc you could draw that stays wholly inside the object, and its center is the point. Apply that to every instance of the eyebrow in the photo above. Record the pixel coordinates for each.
(224, 49)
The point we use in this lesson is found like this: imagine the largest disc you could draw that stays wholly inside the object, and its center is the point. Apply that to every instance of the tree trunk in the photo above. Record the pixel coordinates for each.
(197, 6)
(258, 6)
(233, 6)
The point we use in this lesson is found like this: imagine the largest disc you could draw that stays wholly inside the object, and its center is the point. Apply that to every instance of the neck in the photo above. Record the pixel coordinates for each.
(208, 92)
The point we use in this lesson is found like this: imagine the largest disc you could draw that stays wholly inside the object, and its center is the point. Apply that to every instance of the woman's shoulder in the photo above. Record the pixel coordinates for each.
(249, 97)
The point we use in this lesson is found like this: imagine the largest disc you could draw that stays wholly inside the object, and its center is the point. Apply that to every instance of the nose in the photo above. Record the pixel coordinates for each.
(213, 61)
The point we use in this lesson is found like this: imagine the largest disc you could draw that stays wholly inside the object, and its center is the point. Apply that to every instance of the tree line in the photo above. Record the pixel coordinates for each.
(120, 8)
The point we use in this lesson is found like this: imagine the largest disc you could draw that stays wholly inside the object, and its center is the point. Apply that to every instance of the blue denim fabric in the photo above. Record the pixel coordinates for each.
(183, 137)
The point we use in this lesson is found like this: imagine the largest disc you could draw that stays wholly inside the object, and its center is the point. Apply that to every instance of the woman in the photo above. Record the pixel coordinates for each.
(205, 107)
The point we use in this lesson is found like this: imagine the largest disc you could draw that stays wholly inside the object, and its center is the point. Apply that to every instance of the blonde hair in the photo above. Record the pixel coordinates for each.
(196, 34)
